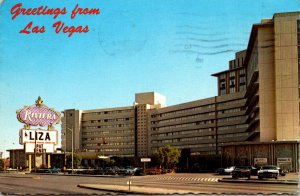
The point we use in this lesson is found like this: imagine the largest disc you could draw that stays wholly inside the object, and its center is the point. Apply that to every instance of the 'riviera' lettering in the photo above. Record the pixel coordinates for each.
(33, 116)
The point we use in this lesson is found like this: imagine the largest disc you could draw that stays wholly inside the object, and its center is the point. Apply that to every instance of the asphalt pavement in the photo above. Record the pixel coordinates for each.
(291, 179)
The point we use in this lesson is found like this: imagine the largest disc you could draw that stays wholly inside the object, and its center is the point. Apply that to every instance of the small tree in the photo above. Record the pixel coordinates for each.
(76, 160)
(168, 156)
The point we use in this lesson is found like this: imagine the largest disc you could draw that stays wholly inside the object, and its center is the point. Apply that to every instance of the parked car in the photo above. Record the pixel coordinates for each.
(139, 172)
(253, 170)
(220, 170)
(228, 170)
(268, 171)
(242, 171)
(127, 171)
(99, 171)
(48, 170)
(122, 171)
(53, 170)
(109, 171)
(282, 172)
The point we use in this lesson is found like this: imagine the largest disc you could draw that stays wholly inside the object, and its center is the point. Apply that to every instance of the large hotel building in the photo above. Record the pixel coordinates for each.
(253, 120)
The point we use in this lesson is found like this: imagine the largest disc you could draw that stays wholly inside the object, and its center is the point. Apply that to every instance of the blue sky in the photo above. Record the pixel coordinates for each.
(168, 46)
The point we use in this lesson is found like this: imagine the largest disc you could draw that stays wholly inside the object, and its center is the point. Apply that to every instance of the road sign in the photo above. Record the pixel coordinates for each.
(145, 159)
(103, 157)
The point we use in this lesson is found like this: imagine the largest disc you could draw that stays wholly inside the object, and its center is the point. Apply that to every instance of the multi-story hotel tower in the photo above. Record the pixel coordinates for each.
(253, 120)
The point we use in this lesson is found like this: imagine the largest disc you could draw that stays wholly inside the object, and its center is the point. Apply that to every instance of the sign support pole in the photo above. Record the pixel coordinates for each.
(49, 161)
(29, 162)
(34, 151)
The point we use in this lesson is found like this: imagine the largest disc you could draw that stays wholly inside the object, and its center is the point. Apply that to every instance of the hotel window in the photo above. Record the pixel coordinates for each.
(242, 72)
(232, 79)
(231, 74)
(242, 87)
(222, 83)
(242, 80)
(223, 92)
(232, 89)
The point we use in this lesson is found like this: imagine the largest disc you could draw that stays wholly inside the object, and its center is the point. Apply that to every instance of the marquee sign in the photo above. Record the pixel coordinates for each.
(38, 136)
(38, 115)
(39, 148)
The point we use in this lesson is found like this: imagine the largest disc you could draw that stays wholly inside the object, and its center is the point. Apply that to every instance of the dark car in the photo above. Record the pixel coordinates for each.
(53, 170)
(242, 172)
(109, 171)
(220, 171)
(253, 171)
(49, 170)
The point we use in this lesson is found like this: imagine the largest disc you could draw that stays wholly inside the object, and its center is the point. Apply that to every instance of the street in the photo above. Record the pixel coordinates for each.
(45, 185)
(194, 183)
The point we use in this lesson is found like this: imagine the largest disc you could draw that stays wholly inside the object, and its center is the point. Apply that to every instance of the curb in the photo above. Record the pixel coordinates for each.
(80, 175)
(154, 191)
(103, 189)
(22, 176)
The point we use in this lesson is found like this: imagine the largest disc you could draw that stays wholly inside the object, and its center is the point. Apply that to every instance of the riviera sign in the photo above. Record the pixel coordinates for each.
(38, 115)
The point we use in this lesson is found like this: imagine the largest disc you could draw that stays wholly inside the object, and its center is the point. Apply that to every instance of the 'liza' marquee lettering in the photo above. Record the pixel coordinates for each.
(38, 136)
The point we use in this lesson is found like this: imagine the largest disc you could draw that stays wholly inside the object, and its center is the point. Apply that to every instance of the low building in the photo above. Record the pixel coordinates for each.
(19, 160)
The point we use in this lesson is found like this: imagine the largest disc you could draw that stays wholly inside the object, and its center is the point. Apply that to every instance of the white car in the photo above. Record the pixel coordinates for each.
(228, 170)
(268, 171)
